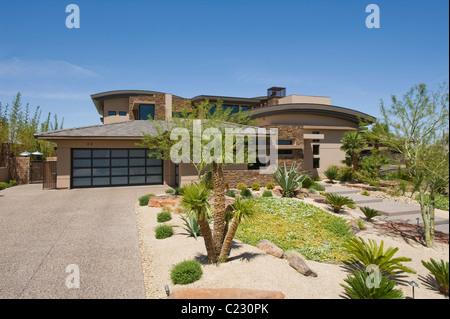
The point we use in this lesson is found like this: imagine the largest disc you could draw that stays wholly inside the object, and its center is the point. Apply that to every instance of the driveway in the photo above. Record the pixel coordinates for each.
(42, 232)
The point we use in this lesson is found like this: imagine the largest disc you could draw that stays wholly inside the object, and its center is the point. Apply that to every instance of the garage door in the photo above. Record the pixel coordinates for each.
(114, 167)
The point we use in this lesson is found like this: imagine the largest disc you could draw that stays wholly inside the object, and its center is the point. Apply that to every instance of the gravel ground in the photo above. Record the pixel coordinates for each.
(250, 268)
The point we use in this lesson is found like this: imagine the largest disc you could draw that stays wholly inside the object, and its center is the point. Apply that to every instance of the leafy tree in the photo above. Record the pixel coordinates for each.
(353, 143)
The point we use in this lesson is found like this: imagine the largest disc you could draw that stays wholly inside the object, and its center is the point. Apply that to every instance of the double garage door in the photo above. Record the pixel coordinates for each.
(114, 167)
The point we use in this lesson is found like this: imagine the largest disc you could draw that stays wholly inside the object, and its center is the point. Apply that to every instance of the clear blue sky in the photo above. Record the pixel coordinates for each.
(227, 47)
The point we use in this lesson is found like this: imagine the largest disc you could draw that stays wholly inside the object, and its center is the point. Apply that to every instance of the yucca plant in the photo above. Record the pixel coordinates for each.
(289, 180)
(338, 201)
(372, 254)
(357, 287)
(369, 213)
(331, 174)
(191, 225)
(440, 271)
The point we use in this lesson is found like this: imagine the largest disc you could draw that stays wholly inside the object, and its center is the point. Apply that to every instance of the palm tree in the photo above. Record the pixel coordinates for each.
(244, 209)
(353, 143)
(337, 201)
(195, 200)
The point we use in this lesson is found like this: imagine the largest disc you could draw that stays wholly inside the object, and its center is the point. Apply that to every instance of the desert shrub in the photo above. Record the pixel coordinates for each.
(256, 187)
(361, 225)
(143, 200)
(191, 225)
(312, 190)
(339, 227)
(3, 185)
(318, 187)
(365, 193)
(179, 191)
(170, 191)
(167, 208)
(308, 182)
(440, 271)
(163, 217)
(357, 287)
(270, 185)
(369, 213)
(289, 180)
(163, 231)
(338, 201)
(241, 186)
(12, 183)
(186, 272)
(331, 174)
(267, 194)
(346, 174)
(230, 193)
(246, 193)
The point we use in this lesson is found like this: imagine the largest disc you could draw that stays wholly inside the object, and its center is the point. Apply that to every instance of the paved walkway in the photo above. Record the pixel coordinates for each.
(393, 211)
(42, 232)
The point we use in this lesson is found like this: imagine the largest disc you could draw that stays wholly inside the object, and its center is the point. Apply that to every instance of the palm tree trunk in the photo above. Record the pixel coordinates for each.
(219, 207)
(208, 238)
(355, 161)
(232, 229)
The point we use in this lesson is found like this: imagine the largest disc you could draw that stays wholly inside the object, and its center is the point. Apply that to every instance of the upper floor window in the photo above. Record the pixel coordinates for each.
(284, 142)
(146, 111)
(316, 162)
(316, 149)
(111, 113)
(316, 133)
(122, 113)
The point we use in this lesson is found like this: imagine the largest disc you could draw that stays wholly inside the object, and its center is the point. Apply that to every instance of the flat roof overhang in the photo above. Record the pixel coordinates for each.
(227, 99)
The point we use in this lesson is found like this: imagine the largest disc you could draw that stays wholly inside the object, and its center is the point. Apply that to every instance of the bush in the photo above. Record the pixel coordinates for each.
(3, 185)
(143, 200)
(241, 186)
(338, 201)
(270, 185)
(365, 193)
(346, 174)
(440, 271)
(246, 193)
(186, 272)
(308, 182)
(312, 190)
(11, 183)
(230, 193)
(178, 191)
(369, 213)
(256, 187)
(170, 191)
(163, 231)
(267, 194)
(163, 217)
(318, 187)
(357, 287)
(331, 174)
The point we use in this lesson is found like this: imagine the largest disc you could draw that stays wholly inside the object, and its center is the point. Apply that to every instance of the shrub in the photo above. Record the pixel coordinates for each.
(186, 272)
(170, 191)
(3, 185)
(163, 231)
(369, 213)
(339, 227)
(361, 225)
(178, 191)
(346, 174)
(241, 186)
(267, 194)
(230, 193)
(143, 200)
(256, 187)
(312, 190)
(331, 174)
(318, 187)
(12, 183)
(163, 217)
(357, 287)
(308, 182)
(191, 225)
(246, 193)
(365, 193)
(371, 254)
(338, 201)
(289, 180)
(270, 185)
(440, 271)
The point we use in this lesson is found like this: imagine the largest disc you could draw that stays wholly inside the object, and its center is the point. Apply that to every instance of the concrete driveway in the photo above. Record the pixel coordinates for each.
(42, 232)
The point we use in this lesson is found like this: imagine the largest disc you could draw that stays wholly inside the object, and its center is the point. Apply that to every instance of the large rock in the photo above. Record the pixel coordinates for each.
(270, 248)
(224, 293)
(161, 201)
(297, 262)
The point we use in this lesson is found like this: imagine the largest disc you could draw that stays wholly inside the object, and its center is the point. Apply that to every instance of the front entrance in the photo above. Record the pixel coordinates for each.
(114, 167)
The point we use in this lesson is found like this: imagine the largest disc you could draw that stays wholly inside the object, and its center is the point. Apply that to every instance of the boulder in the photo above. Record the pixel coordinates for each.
(161, 201)
(270, 248)
(224, 293)
(297, 262)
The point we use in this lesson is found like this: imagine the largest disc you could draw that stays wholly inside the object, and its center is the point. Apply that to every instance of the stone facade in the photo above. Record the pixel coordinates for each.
(158, 99)
(19, 169)
(248, 177)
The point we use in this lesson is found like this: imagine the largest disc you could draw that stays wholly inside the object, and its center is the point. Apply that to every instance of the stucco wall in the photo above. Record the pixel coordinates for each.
(117, 105)
(305, 99)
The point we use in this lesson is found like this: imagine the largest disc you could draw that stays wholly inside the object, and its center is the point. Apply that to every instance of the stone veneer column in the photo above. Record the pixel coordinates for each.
(168, 107)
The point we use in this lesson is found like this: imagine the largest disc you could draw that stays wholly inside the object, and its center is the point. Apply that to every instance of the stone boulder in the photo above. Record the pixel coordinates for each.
(270, 248)
(297, 262)
(161, 201)
(224, 293)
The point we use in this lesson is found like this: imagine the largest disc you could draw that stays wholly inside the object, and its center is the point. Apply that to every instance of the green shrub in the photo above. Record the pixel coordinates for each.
(163, 231)
(163, 217)
(3, 185)
(346, 174)
(365, 193)
(230, 193)
(338, 201)
(440, 271)
(308, 182)
(246, 193)
(143, 200)
(12, 183)
(289, 180)
(178, 191)
(357, 287)
(270, 185)
(440, 201)
(170, 191)
(372, 254)
(318, 187)
(186, 272)
(267, 194)
(256, 187)
(361, 225)
(331, 174)
(312, 190)
(241, 186)
(369, 213)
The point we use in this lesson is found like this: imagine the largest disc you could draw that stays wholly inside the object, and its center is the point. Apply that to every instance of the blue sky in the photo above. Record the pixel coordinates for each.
(234, 48)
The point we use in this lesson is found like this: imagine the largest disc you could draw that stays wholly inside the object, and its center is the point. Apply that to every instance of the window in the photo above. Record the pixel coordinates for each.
(284, 152)
(316, 149)
(146, 111)
(111, 113)
(284, 142)
(316, 162)
(122, 113)
(244, 108)
(316, 133)
(234, 108)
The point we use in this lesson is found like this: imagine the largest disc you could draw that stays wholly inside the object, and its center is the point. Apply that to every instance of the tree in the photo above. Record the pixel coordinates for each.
(417, 122)
(353, 143)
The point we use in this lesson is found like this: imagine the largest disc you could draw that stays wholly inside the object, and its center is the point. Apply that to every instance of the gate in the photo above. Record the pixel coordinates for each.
(36, 171)
(49, 176)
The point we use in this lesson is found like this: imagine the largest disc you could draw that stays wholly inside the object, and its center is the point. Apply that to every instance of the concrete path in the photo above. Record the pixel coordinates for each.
(393, 211)
(44, 231)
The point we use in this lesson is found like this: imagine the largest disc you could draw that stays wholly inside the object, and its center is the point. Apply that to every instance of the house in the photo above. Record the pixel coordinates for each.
(310, 130)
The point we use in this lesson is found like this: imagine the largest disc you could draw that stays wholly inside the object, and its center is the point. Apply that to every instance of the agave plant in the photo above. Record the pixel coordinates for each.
(331, 174)
(191, 225)
(369, 213)
(372, 254)
(440, 271)
(289, 180)
(338, 201)
(358, 288)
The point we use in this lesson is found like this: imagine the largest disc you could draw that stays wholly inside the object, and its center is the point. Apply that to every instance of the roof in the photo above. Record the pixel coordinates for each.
(132, 129)
(309, 108)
